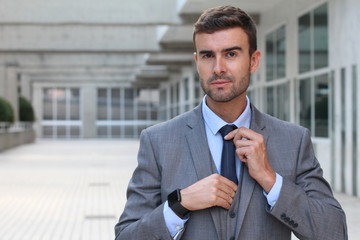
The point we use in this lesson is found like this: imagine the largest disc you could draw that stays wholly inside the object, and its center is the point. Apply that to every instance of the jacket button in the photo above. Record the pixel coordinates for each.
(295, 225)
(232, 214)
(232, 238)
(283, 216)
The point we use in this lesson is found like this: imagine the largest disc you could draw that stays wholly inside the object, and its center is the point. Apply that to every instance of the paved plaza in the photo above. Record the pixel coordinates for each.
(76, 190)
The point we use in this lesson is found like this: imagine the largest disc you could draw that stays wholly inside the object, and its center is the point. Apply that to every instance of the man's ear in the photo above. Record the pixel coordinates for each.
(255, 61)
(195, 57)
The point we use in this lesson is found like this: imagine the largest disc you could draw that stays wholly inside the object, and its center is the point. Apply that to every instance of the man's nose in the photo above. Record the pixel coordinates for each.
(219, 66)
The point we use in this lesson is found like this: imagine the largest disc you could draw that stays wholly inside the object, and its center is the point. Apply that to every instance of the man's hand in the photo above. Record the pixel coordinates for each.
(214, 190)
(250, 148)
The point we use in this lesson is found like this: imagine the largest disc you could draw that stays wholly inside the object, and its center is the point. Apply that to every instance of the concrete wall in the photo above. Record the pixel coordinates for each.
(13, 139)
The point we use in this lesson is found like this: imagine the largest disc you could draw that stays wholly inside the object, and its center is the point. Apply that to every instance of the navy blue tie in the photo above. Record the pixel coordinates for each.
(228, 167)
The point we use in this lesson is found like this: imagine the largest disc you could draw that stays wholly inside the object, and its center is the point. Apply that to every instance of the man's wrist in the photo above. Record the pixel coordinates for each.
(174, 201)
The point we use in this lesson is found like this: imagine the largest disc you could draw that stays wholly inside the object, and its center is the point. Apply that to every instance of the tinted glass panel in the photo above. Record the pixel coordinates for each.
(304, 42)
(320, 37)
(305, 103)
(322, 106)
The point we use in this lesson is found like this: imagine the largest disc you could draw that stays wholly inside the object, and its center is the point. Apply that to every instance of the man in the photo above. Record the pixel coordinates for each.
(274, 185)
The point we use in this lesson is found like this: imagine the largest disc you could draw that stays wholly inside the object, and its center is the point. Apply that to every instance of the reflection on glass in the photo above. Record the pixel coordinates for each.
(322, 106)
(304, 42)
(305, 103)
(320, 37)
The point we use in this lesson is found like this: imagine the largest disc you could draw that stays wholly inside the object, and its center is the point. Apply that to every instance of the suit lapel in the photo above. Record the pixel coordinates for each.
(247, 182)
(201, 156)
(197, 142)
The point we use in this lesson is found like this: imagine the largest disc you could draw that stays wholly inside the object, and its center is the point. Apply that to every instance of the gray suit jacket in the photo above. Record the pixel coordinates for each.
(175, 154)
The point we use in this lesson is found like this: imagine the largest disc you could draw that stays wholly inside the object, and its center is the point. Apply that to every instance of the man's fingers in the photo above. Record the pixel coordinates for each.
(241, 133)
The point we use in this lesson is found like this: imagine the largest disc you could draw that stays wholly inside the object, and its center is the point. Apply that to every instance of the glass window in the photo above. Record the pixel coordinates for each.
(314, 104)
(304, 43)
(47, 104)
(116, 131)
(321, 106)
(275, 54)
(320, 37)
(74, 104)
(305, 103)
(129, 104)
(143, 99)
(163, 105)
(270, 57)
(186, 89)
(313, 39)
(47, 131)
(282, 101)
(277, 101)
(102, 104)
(61, 131)
(74, 132)
(61, 103)
(280, 52)
(102, 131)
(115, 103)
(270, 100)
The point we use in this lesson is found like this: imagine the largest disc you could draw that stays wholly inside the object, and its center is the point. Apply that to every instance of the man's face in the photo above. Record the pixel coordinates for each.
(224, 64)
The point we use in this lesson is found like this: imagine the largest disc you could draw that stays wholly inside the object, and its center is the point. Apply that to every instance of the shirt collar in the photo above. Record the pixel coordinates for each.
(214, 122)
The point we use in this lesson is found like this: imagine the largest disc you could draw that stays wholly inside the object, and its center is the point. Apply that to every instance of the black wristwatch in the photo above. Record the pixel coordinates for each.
(174, 200)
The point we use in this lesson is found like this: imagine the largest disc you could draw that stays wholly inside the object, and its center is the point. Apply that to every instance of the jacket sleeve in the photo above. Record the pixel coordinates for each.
(143, 214)
(307, 205)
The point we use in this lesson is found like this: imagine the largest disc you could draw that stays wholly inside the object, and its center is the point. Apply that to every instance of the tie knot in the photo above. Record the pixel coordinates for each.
(226, 129)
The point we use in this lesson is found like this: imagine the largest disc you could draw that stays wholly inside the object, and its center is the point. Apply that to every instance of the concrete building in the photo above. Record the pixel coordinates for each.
(109, 69)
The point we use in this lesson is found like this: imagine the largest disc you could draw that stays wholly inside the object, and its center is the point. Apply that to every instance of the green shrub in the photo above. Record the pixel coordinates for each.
(6, 111)
(26, 111)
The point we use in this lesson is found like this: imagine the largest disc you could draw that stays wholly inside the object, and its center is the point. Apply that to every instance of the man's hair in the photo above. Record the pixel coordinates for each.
(225, 17)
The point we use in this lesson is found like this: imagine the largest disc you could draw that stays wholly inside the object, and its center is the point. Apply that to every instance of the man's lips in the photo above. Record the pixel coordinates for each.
(220, 83)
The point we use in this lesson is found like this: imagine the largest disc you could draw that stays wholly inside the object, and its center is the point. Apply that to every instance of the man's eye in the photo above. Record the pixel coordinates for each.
(231, 54)
(208, 55)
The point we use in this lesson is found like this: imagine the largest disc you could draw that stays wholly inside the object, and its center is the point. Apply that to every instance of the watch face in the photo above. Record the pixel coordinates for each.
(174, 197)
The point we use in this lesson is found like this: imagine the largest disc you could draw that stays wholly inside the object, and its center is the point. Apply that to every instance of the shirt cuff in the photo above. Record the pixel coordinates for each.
(274, 193)
(173, 223)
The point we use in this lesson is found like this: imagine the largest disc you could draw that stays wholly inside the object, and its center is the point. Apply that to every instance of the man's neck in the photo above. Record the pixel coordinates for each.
(228, 111)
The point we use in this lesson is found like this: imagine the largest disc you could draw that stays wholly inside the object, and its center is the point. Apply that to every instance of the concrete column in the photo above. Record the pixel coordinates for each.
(89, 109)
(11, 90)
(38, 109)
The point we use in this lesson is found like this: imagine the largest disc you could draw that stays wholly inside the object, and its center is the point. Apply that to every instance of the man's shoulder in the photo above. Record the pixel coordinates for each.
(177, 123)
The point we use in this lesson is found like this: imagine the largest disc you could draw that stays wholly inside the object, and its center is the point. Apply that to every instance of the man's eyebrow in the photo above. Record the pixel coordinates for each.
(232, 48)
(205, 51)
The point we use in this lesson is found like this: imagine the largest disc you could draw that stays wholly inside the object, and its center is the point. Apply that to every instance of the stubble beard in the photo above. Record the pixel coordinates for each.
(220, 94)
